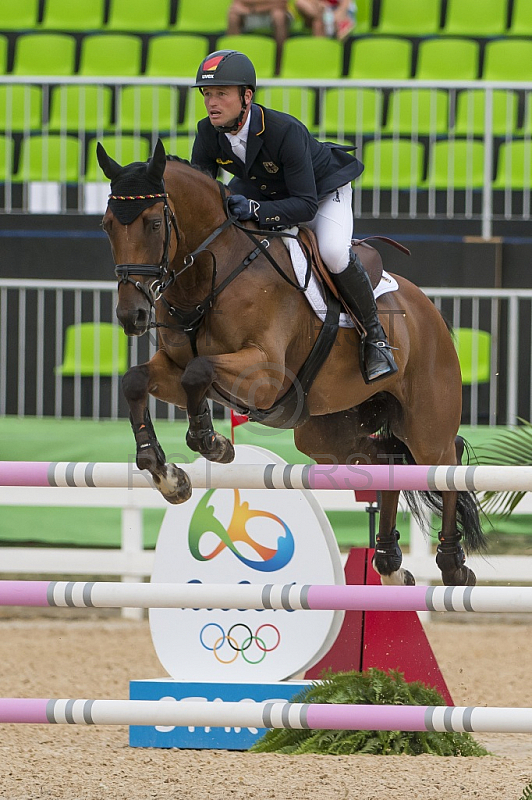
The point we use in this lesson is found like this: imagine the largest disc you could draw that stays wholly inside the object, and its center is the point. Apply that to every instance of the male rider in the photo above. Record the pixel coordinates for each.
(285, 177)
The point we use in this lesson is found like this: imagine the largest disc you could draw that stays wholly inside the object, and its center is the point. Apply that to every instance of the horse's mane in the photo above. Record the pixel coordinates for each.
(188, 164)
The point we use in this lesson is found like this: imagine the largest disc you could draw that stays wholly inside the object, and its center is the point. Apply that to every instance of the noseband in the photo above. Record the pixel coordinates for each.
(163, 276)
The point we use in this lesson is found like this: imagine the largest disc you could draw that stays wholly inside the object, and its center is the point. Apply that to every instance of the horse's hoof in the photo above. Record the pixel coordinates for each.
(220, 450)
(174, 484)
(460, 577)
(402, 577)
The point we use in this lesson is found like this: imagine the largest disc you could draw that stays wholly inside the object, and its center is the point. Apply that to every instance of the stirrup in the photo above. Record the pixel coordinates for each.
(384, 348)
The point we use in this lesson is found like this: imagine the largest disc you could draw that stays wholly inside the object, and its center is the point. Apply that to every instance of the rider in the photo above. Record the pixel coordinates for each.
(285, 177)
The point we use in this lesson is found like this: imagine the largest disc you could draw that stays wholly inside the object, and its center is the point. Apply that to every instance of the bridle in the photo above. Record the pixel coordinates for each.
(163, 276)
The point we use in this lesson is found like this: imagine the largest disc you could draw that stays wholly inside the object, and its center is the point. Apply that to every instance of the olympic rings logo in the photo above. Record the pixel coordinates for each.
(240, 642)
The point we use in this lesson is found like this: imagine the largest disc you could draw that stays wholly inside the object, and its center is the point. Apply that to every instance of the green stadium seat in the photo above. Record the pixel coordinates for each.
(474, 353)
(521, 24)
(514, 165)
(44, 54)
(147, 108)
(382, 58)
(456, 164)
(311, 57)
(110, 55)
(261, 49)
(409, 17)
(295, 100)
(508, 60)
(476, 17)
(448, 59)
(80, 108)
(392, 164)
(65, 15)
(419, 111)
(132, 15)
(176, 56)
(20, 108)
(194, 111)
(124, 149)
(94, 348)
(3, 55)
(49, 158)
(19, 16)
(6, 158)
(351, 111)
(209, 16)
(364, 16)
(178, 145)
(470, 111)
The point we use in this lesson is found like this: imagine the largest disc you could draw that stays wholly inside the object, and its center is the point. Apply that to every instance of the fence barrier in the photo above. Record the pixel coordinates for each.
(266, 715)
(35, 312)
(206, 475)
(288, 597)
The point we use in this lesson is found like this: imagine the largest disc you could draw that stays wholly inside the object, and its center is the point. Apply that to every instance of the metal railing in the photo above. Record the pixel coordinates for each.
(432, 150)
(35, 314)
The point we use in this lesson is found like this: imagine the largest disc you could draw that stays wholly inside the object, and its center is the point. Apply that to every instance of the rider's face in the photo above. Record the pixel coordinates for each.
(223, 103)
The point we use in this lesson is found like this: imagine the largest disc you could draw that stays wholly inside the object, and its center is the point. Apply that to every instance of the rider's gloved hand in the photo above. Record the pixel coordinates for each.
(242, 208)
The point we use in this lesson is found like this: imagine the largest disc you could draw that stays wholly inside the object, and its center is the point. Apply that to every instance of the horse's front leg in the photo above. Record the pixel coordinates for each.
(388, 556)
(160, 377)
(245, 375)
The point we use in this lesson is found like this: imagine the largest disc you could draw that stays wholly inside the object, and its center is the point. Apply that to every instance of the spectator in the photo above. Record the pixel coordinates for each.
(247, 15)
(333, 18)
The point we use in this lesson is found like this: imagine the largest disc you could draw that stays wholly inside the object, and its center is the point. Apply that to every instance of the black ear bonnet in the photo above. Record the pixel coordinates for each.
(136, 186)
(132, 191)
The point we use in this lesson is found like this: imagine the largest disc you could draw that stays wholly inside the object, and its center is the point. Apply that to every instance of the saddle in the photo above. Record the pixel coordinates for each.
(370, 258)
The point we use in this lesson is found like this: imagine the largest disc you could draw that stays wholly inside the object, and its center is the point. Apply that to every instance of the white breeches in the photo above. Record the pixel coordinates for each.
(333, 226)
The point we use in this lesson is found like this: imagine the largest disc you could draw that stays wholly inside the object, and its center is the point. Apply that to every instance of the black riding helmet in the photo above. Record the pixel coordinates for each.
(227, 68)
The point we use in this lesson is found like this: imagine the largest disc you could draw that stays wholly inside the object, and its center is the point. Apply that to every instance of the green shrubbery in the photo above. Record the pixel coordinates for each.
(373, 687)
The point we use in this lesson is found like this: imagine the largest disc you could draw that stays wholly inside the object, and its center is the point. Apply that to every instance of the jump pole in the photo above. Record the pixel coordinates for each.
(205, 475)
(266, 715)
(290, 597)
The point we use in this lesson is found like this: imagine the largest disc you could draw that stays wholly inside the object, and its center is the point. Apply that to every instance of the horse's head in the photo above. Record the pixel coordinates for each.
(138, 222)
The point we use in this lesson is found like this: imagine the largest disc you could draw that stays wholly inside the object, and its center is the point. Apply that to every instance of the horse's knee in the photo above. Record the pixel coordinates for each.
(135, 383)
(198, 375)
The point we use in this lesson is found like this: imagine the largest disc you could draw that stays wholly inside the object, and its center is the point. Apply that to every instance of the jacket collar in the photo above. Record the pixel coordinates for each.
(256, 128)
(254, 143)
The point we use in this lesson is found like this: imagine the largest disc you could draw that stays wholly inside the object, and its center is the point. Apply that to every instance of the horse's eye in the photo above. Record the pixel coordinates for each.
(157, 225)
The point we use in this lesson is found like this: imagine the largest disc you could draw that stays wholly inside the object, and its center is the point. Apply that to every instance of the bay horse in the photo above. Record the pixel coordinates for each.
(233, 327)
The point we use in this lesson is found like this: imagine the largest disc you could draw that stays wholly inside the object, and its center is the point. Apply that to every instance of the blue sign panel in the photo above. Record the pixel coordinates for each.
(200, 738)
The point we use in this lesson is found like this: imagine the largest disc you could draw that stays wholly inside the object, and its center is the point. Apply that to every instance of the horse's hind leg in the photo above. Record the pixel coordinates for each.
(450, 556)
(388, 556)
(173, 483)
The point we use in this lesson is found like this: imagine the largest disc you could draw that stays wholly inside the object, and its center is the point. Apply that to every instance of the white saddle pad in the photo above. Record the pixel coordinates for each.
(314, 294)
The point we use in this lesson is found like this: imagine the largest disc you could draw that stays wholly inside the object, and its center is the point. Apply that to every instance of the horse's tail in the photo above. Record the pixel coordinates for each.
(467, 508)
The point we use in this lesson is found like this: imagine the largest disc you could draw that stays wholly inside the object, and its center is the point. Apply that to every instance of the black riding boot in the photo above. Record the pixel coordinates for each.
(355, 287)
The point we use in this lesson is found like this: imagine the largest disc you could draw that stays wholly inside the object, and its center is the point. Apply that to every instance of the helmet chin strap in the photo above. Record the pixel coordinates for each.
(235, 124)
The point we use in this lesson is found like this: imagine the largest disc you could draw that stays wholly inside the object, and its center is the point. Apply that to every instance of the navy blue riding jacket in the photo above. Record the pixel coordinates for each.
(287, 170)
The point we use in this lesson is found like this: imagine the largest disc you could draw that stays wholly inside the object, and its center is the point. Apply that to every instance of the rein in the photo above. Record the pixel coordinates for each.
(188, 322)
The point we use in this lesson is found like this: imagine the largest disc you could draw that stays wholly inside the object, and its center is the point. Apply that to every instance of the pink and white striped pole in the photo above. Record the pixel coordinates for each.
(266, 715)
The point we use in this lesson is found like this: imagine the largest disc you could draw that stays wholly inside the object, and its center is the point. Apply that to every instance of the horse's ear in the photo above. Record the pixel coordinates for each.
(110, 168)
(157, 163)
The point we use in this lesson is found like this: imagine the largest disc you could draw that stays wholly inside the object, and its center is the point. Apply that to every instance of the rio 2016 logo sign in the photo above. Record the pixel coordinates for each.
(204, 521)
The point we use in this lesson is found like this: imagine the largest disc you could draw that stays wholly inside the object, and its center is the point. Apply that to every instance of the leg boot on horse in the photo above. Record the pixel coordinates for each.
(355, 288)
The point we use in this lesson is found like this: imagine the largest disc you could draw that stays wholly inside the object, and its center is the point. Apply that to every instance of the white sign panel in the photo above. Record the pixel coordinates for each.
(245, 536)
